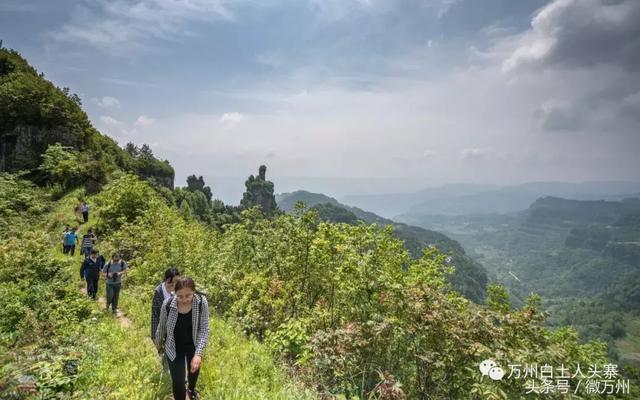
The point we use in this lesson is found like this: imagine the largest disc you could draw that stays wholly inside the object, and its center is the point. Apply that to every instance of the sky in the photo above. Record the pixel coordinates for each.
(492, 91)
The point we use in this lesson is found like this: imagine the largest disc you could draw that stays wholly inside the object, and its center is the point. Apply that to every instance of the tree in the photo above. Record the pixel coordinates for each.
(132, 149)
(197, 184)
(259, 192)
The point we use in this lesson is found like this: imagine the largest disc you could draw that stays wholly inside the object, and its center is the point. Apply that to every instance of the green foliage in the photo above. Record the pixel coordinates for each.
(71, 169)
(195, 202)
(468, 277)
(197, 185)
(145, 165)
(498, 299)
(330, 212)
(259, 192)
(351, 311)
(124, 200)
(348, 307)
(20, 203)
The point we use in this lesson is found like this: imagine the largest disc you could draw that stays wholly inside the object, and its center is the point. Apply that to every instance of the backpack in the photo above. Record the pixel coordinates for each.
(109, 266)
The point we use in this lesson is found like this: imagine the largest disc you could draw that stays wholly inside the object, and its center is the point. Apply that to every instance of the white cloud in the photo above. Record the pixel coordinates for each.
(109, 121)
(143, 121)
(429, 153)
(106, 102)
(120, 25)
(231, 118)
(473, 153)
(515, 112)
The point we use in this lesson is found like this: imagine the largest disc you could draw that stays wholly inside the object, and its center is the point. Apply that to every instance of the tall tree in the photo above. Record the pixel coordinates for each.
(197, 184)
(259, 192)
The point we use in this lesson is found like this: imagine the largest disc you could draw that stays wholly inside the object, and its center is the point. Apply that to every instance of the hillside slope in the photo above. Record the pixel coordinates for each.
(35, 114)
(469, 277)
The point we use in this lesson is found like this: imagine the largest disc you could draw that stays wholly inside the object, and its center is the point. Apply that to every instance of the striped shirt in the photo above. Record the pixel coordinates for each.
(167, 324)
(88, 240)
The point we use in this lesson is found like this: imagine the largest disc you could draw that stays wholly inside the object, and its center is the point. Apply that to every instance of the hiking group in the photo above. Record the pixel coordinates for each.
(179, 313)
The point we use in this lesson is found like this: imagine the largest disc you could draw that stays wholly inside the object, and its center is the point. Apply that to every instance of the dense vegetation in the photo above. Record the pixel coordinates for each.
(469, 277)
(582, 257)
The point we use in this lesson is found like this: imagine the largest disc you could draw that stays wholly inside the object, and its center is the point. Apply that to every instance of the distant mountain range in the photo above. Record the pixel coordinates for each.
(581, 256)
(465, 199)
(470, 277)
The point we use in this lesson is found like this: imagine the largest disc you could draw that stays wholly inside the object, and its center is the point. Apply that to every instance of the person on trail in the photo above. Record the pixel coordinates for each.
(70, 240)
(113, 271)
(64, 233)
(84, 207)
(162, 292)
(88, 240)
(183, 332)
(90, 270)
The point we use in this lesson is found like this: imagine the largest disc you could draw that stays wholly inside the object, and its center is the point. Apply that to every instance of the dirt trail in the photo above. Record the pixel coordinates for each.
(102, 304)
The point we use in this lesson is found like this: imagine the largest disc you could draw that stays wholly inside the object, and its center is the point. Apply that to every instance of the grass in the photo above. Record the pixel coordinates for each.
(122, 363)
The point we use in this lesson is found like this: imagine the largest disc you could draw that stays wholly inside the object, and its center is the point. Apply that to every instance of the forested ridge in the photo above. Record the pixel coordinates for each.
(303, 307)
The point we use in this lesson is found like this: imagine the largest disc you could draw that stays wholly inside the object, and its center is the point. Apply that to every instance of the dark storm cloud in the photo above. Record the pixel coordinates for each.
(591, 48)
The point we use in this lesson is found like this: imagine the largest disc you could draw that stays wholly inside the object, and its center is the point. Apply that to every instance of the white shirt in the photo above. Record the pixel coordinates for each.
(165, 293)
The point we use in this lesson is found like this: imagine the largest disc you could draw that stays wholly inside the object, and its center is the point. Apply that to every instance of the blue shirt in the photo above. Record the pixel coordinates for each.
(70, 238)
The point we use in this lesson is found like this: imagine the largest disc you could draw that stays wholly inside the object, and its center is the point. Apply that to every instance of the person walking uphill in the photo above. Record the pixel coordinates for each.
(70, 240)
(113, 271)
(183, 332)
(63, 237)
(90, 270)
(162, 292)
(84, 207)
(88, 241)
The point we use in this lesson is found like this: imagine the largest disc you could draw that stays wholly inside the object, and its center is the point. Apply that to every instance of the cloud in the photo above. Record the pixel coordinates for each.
(106, 102)
(582, 34)
(510, 108)
(428, 154)
(143, 121)
(126, 82)
(473, 153)
(121, 25)
(231, 118)
(586, 53)
(109, 121)
(123, 131)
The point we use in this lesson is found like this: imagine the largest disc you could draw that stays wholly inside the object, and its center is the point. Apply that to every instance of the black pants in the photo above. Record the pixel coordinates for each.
(92, 286)
(85, 216)
(86, 251)
(177, 368)
(71, 250)
(113, 294)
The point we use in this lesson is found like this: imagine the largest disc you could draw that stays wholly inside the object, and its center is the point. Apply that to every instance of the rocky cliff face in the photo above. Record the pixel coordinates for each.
(20, 148)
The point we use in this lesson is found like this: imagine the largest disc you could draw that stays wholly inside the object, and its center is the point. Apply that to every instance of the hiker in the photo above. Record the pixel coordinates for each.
(113, 271)
(162, 292)
(90, 271)
(183, 332)
(88, 240)
(64, 233)
(84, 207)
(70, 240)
